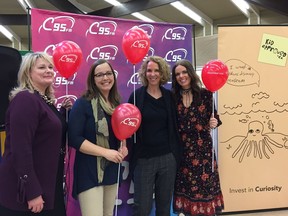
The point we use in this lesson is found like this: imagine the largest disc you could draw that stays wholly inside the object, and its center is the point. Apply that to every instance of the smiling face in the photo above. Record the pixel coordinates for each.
(255, 130)
(153, 74)
(104, 78)
(182, 77)
(42, 74)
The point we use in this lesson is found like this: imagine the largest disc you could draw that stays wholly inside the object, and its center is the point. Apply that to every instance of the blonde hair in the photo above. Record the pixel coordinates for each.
(164, 70)
(24, 77)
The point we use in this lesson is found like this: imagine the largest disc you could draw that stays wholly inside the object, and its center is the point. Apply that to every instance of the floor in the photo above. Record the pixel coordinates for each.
(283, 212)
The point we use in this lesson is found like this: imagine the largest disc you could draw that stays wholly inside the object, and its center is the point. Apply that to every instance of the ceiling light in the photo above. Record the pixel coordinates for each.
(187, 11)
(142, 17)
(243, 6)
(26, 4)
(6, 32)
(113, 2)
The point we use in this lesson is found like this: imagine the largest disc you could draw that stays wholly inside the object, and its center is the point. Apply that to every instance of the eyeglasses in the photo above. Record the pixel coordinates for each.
(101, 75)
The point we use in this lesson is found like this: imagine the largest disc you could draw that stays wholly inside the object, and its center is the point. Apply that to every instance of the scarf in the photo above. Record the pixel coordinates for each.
(99, 106)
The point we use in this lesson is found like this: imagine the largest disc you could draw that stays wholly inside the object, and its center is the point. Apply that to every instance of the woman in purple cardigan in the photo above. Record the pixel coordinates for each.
(31, 171)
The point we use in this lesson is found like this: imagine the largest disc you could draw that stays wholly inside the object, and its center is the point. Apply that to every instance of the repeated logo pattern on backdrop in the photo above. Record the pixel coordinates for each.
(101, 37)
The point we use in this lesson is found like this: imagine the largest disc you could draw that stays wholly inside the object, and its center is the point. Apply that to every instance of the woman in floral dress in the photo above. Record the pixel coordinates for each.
(197, 187)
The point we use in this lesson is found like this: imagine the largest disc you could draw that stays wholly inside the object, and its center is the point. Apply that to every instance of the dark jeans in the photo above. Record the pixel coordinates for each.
(157, 175)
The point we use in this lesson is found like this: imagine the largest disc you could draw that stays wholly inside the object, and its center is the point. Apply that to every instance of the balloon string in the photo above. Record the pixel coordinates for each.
(66, 92)
(213, 136)
(118, 180)
(213, 149)
(134, 95)
(134, 85)
(66, 148)
(213, 103)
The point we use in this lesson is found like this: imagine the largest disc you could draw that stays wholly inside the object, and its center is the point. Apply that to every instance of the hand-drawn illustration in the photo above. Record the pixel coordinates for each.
(241, 74)
(257, 143)
(259, 102)
(261, 140)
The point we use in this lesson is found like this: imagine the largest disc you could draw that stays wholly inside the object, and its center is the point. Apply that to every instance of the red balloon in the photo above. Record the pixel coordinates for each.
(214, 75)
(126, 120)
(67, 57)
(135, 44)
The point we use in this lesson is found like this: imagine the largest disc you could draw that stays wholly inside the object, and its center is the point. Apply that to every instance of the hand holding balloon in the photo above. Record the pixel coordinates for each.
(213, 122)
(123, 149)
(114, 155)
(67, 103)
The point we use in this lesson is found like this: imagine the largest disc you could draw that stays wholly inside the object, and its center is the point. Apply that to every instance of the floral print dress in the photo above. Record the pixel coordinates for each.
(197, 187)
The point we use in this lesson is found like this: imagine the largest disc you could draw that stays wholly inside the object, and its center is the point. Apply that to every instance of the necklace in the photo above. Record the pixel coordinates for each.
(187, 97)
(185, 91)
(48, 100)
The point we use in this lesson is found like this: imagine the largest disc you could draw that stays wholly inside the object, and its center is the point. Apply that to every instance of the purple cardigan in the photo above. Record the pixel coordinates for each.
(32, 148)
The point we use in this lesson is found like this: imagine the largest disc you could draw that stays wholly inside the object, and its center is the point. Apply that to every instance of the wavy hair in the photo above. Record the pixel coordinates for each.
(164, 70)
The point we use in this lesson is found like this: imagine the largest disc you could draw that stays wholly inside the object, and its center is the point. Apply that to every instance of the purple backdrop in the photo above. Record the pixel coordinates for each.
(101, 37)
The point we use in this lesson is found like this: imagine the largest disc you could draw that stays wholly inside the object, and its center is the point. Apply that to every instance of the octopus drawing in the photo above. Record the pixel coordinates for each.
(256, 143)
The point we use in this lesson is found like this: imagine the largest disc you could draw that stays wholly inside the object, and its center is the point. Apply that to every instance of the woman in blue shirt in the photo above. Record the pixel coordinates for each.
(98, 152)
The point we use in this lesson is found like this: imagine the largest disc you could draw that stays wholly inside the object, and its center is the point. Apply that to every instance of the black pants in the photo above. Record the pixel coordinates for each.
(157, 175)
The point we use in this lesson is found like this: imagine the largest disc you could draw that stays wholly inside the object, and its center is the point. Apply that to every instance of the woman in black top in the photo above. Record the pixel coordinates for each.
(155, 149)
